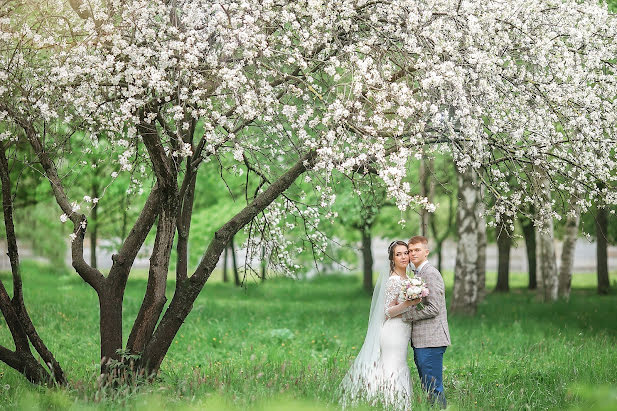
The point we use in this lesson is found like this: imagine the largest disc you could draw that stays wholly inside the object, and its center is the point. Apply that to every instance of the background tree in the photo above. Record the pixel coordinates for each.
(601, 249)
(529, 234)
(548, 279)
(504, 232)
(567, 251)
(465, 293)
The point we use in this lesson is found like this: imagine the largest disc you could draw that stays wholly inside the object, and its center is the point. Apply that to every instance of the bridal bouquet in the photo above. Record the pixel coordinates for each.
(413, 289)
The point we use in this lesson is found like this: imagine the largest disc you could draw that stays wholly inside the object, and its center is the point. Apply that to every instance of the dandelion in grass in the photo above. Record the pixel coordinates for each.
(413, 289)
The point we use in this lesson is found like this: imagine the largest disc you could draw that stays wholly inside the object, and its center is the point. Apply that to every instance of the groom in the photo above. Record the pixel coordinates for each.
(429, 326)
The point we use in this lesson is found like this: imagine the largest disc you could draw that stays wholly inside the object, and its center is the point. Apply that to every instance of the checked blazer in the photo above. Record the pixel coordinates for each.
(429, 326)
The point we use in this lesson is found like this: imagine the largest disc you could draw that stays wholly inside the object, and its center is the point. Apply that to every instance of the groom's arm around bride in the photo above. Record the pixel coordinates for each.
(429, 334)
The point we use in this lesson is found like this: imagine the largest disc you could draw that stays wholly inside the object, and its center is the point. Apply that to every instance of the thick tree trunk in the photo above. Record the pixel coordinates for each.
(188, 290)
(465, 294)
(602, 250)
(367, 259)
(110, 325)
(187, 198)
(547, 264)
(567, 253)
(169, 202)
(14, 311)
(548, 279)
(529, 233)
(111, 294)
(504, 243)
(154, 299)
(26, 364)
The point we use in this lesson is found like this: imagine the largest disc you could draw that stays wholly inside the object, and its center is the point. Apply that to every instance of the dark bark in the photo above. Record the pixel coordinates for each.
(110, 325)
(188, 290)
(26, 364)
(154, 299)
(111, 297)
(367, 259)
(187, 197)
(90, 275)
(504, 244)
(14, 311)
(529, 233)
(602, 250)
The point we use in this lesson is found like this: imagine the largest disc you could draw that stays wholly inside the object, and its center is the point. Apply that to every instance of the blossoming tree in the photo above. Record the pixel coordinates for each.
(289, 91)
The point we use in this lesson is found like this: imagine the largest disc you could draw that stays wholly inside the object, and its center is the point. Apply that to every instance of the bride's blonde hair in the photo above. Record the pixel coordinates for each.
(391, 248)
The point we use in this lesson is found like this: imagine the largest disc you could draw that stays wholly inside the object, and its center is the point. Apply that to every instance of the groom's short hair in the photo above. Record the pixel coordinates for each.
(418, 239)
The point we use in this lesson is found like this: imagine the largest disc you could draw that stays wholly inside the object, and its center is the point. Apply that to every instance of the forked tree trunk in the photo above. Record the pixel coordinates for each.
(602, 250)
(465, 294)
(548, 278)
(567, 253)
(188, 290)
(14, 310)
(149, 337)
(367, 259)
(504, 244)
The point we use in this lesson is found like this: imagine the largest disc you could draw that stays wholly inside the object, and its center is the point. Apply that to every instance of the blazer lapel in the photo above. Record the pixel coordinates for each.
(423, 269)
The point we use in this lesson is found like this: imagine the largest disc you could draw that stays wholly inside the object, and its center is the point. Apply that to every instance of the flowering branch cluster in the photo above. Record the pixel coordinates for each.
(519, 90)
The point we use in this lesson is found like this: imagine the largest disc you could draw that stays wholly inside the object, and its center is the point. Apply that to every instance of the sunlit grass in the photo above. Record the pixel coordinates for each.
(286, 345)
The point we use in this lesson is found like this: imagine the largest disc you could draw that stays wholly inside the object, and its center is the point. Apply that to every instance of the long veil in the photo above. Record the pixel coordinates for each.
(363, 378)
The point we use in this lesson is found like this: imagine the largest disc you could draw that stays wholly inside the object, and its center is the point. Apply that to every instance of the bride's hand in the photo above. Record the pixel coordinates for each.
(411, 303)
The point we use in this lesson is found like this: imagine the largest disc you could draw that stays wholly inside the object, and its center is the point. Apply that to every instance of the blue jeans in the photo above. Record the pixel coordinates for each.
(429, 362)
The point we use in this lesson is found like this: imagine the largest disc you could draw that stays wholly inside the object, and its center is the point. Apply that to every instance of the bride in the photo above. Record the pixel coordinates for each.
(380, 373)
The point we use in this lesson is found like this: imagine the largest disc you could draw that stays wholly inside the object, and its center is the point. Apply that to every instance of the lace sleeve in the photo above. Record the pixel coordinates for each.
(392, 290)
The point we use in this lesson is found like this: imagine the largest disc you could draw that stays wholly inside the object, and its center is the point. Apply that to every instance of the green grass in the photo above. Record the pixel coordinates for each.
(286, 345)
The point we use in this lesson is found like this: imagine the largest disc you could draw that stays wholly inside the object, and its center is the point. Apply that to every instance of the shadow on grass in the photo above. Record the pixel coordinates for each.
(586, 312)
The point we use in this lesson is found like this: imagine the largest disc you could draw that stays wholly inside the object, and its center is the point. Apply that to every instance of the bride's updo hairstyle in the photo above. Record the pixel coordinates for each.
(391, 248)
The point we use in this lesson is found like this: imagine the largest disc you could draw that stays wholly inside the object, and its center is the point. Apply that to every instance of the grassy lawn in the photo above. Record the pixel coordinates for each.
(286, 344)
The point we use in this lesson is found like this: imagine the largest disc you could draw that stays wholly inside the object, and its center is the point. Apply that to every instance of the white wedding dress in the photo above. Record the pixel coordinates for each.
(380, 373)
